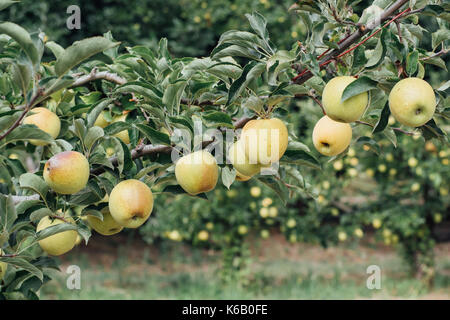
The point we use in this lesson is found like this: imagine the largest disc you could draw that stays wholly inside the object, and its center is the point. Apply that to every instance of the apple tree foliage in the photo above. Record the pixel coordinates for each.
(244, 76)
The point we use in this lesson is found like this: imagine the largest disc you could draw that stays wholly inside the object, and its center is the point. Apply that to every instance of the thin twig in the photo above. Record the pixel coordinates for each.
(29, 106)
(354, 37)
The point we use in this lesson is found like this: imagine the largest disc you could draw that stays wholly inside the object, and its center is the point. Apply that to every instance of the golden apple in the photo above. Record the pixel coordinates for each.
(67, 172)
(237, 156)
(197, 172)
(122, 135)
(412, 102)
(264, 141)
(101, 120)
(348, 111)
(241, 177)
(3, 267)
(78, 241)
(45, 120)
(131, 203)
(331, 137)
(59, 243)
(108, 226)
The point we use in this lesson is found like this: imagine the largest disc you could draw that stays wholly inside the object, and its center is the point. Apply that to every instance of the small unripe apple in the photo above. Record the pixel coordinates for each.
(122, 135)
(101, 120)
(197, 172)
(264, 141)
(45, 120)
(412, 102)
(237, 156)
(3, 267)
(59, 243)
(331, 137)
(67, 172)
(131, 203)
(348, 111)
(108, 226)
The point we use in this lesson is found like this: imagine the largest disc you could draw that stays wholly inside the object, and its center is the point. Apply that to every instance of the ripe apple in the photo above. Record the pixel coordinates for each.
(237, 156)
(131, 203)
(331, 137)
(101, 120)
(264, 140)
(45, 120)
(412, 102)
(241, 177)
(197, 172)
(348, 111)
(67, 172)
(108, 226)
(122, 135)
(59, 243)
(3, 267)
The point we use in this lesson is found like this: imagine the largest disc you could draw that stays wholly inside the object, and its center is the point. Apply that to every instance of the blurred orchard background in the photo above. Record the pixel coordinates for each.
(389, 209)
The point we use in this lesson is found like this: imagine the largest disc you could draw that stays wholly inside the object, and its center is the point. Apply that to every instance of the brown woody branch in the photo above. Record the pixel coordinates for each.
(354, 37)
(28, 107)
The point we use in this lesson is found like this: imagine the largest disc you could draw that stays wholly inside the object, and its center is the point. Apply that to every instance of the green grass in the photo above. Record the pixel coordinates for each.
(311, 275)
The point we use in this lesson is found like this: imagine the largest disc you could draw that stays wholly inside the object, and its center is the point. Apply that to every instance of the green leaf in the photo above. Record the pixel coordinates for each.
(218, 119)
(92, 135)
(22, 37)
(384, 119)
(232, 50)
(228, 176)
(37, 215)
(172, 96)
(35, 183)
(144, 89)
(155, 136)
(252, 70)
(392, 137)
(6, 3)
(436, 61)
(149, 169)
(96, 109)
(116, 127)
(22, 75)
(439, 36)
(81, 50)
(258, 24)
(55, 48)
(55, 229)
(377, 55)
(300, 157)
(7, 213)
(254, 103)
(23, 264)
(176, 189)
(411, 62)
(276, 185)
(360, 85)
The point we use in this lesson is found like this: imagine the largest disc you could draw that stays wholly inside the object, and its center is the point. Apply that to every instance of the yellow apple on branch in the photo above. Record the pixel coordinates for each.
(59, 243)
(331, 137)
(264, 141)
(197, 172)
(131, 203)
(412, 102)
(108, 226)
(67, 172)
(349, 110)
(45, 120)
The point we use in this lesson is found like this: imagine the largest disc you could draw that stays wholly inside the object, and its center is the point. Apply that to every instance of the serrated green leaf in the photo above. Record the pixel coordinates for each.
(81, 50)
